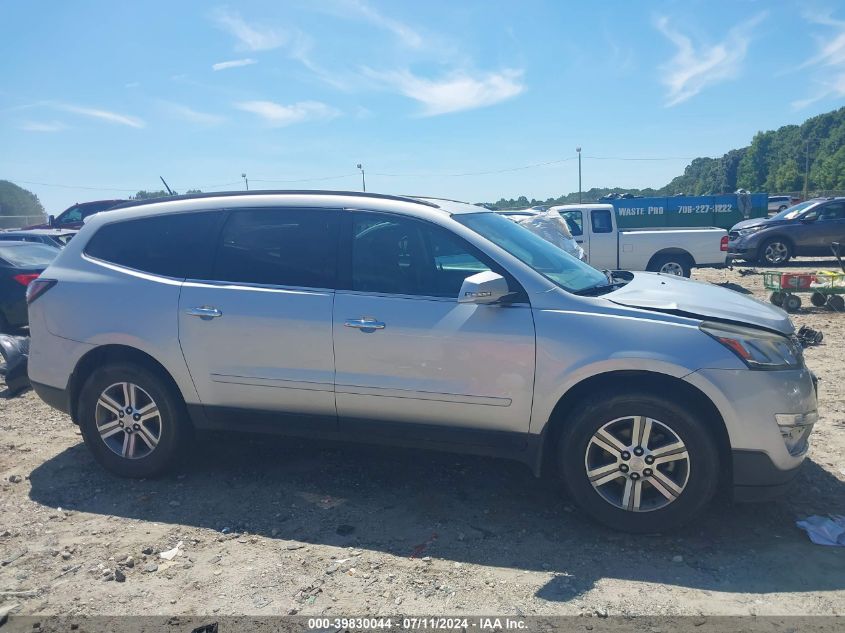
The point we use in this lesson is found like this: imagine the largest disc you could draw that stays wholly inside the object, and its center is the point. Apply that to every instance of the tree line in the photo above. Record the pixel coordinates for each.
(775, 162)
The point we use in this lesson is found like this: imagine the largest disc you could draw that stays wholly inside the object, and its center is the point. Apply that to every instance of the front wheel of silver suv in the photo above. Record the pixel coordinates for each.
(133, 421)
(638, 462)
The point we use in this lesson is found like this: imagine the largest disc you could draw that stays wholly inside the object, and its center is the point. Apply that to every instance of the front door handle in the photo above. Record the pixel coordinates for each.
(204, 312)
(366, 324)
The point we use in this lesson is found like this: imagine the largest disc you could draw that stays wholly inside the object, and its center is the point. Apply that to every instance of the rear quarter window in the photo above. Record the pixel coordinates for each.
(175, 245)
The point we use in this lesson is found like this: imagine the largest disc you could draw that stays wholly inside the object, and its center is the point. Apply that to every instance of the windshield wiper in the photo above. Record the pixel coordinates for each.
(600, 289)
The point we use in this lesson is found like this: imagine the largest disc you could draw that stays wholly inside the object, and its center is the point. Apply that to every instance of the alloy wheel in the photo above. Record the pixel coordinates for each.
(672, 268)
(637, 464)
(776, 252)
(128, 420)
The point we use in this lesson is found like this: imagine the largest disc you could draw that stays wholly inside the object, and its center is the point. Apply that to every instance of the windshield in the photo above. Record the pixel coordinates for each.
(547, 259)
(794, 211)
(26, 255)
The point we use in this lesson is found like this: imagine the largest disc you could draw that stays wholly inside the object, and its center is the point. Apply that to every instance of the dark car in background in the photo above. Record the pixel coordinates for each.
(20, 263)
(806, 229)
(52, 237)
(73, 217)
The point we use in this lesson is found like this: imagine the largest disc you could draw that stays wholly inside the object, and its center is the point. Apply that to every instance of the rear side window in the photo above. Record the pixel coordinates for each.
(602, 223)
(279, 247)
(173, 245)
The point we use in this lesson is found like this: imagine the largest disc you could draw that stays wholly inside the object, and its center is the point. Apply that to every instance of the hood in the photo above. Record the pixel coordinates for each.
(752, 222)
(677, 295)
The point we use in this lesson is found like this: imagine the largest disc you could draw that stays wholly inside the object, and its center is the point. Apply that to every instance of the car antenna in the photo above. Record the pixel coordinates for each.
(166, 186)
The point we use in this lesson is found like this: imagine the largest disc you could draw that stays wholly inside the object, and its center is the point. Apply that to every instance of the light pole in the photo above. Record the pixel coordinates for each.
(246, 182)
(363, 181)
(578, 149)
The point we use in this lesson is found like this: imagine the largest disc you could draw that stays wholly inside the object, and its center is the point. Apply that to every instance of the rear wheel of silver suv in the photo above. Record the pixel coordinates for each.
(638, 462)
(132, 420)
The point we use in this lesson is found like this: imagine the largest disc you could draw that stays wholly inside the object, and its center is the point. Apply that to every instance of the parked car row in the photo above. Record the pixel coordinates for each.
(421, 322)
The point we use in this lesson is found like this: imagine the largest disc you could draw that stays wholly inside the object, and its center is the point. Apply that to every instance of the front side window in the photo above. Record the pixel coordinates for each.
(575, 221)
(74, 214)
(832, 211)
(398, 255)
(279, 247)
(173, 245)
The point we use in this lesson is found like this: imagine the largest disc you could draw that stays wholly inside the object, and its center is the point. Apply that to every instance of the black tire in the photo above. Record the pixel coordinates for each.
(174, 426)
(791, 303)
(836, 303)
(596, 411)
(782, 207)
(818, 299)
(777, 245)
(679, 262)
(777, 298)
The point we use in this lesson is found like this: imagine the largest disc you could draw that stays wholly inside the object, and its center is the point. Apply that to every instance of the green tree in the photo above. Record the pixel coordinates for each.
(15, 200)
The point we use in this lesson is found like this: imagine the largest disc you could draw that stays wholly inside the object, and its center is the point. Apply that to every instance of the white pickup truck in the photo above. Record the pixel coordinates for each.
(670, 250)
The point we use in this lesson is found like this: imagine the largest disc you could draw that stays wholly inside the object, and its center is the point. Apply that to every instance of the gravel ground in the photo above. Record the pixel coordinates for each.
(267, 526)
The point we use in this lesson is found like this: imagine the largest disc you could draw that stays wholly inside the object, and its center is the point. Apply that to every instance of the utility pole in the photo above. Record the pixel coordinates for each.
(807, 168)
(363, 181)
(578, 149)
(246, 182)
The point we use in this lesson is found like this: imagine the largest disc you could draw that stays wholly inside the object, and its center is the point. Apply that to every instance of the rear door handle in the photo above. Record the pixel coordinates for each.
(204, 312)
(365, 324)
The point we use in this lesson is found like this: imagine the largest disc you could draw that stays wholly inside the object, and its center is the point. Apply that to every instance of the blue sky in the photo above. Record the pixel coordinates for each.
(106, 96)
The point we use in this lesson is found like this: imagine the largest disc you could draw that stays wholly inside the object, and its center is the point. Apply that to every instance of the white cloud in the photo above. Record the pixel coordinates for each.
(455, 92)
(362, 10)
(698, 66)
(189, 114)
(103, 115)
(250, 36)
(829, 59)
(43, 126)
(279, 115)
(235, 63)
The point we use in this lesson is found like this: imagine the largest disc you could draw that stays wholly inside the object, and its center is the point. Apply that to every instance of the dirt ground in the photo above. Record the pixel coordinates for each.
(279, 526)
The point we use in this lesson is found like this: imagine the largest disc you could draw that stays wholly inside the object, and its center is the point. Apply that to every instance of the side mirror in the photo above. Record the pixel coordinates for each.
(810, 217)
(483, 288)
(51, 220)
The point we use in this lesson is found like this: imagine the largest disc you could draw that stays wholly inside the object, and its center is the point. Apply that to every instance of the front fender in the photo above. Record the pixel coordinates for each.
(575, 346)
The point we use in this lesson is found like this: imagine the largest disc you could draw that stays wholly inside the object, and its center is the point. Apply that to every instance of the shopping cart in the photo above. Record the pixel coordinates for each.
(825, 287)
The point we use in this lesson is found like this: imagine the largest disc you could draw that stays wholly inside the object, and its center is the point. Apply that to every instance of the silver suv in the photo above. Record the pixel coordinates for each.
(419, 322)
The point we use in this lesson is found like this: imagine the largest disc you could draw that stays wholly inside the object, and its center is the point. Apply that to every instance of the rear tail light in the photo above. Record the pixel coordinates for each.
(38, 287)
(26, 278)
(723, 244)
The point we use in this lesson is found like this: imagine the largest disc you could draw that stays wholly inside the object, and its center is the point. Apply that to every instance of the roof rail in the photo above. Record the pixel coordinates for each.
(261, 192)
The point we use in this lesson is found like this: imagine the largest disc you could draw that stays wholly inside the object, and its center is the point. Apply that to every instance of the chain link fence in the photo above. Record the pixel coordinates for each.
(17, 221)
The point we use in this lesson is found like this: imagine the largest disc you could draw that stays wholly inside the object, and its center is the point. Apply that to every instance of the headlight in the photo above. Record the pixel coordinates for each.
(757, 348)
(750, 230)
